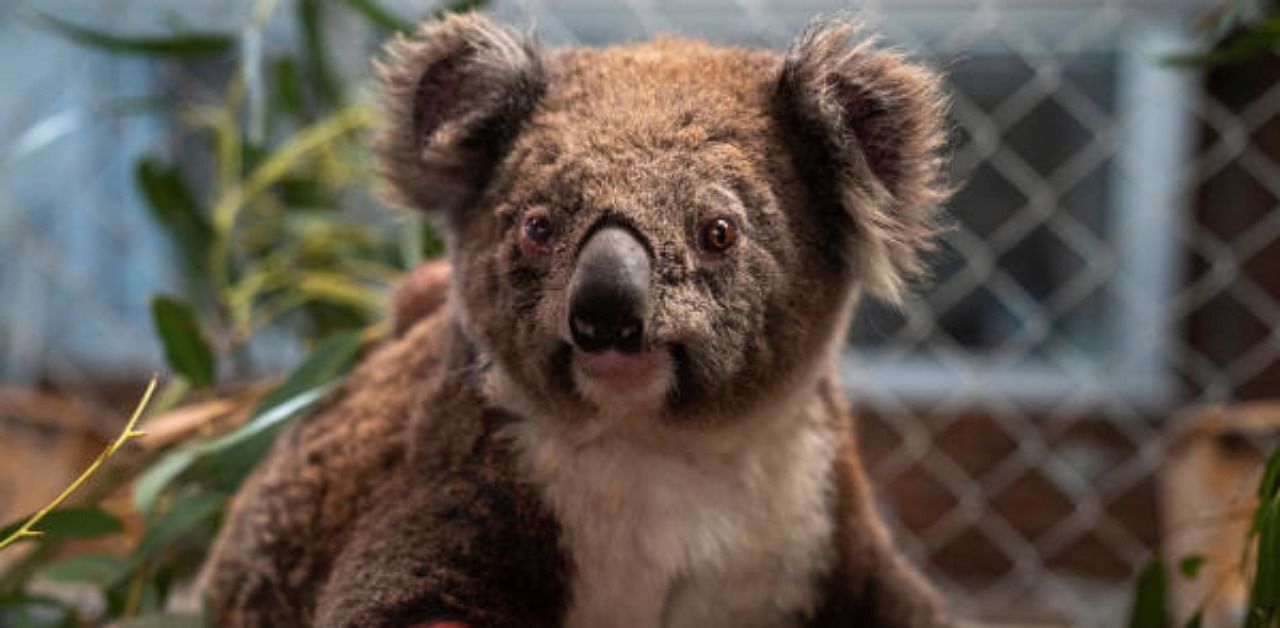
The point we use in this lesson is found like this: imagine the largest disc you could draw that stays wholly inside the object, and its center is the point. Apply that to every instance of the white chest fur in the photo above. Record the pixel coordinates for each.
(679, 529)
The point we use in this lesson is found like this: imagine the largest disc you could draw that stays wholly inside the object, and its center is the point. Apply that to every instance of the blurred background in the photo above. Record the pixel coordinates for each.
(1089, 379)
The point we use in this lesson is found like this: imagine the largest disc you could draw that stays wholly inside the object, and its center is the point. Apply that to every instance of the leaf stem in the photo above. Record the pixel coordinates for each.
(27, 529)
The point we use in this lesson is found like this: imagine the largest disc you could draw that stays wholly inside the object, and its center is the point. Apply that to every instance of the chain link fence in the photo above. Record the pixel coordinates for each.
(1114, 257)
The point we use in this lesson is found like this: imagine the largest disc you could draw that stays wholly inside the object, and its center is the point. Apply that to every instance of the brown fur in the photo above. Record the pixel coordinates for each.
(403, 500)
(384, 508)
(421, 293)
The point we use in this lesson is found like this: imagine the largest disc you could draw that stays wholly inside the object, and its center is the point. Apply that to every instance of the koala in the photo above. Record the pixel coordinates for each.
(618, 404)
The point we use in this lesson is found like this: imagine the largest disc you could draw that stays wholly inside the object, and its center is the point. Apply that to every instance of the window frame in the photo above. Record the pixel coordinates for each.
(1146, 197)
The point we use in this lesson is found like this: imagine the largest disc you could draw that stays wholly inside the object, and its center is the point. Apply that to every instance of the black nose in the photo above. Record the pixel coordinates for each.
(609, 292)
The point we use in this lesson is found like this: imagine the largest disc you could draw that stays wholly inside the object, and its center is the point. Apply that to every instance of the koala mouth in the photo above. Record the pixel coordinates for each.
(623, 368)
(610, 377)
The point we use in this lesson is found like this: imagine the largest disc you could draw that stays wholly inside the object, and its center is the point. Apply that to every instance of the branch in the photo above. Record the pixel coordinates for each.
(27, 529)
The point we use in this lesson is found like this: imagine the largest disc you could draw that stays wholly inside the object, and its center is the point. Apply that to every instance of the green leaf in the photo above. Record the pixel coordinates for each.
(341, 289)
(188, 513)
(229, 459)
(97, 569)
(1228, 18)
(317, 56)
(153, 482)
(175, 207)
(82, 522)
(433, 245)
(242, 449)
(1269, 487)
(302, 191)
(288, 87)
(1196, 620)
(184, 346)
(183, 516)
(156, 478)
(185, 45)
(32, 611)
(380, 16)
(1149, 597)
(1265, 595)
(233, 454)
(1249, 43)
(330, 359)
(1190, 566)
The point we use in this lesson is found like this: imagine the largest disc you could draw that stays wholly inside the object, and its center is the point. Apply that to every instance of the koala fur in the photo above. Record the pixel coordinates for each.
(476, 468)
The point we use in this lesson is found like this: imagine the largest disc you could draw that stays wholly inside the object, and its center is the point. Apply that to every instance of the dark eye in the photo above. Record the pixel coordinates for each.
(537, 232)
(717, 235)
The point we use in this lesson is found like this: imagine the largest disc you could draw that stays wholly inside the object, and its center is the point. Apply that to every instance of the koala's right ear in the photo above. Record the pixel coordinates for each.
(454, 96)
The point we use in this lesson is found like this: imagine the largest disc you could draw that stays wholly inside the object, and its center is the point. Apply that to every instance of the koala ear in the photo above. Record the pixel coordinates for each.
(454, 96)
(876, 121)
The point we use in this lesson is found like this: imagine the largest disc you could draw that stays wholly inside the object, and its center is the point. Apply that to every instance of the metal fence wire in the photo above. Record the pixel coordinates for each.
(1114, 257)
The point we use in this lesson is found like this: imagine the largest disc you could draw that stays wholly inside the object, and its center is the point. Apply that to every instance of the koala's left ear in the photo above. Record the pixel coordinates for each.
(876, 121)
(455, 95)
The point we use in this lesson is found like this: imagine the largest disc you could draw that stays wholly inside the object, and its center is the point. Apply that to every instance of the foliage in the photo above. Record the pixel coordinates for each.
(1264, 535)
(1262, 563)
(1149, 598)
(1233, 38)
(267, 203)
(91, 521)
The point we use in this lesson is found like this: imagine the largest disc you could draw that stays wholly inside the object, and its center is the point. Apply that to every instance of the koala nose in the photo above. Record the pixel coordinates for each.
(609, 292)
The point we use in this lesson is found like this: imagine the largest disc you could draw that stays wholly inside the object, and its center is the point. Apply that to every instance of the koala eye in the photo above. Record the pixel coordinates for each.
(717, 235)
(537, 231)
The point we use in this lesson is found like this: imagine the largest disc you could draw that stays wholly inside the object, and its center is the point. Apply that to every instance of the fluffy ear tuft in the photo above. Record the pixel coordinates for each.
(880, 122)
(454, 96)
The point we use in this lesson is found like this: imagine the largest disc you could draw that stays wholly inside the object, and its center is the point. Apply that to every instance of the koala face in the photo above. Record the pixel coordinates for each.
(670, 229)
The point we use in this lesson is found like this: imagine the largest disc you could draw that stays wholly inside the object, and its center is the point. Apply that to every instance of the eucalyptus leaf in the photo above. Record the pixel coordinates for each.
(341, 289)
(99, 569)
(328, 361)
(81, 522)
(1190, 566)
(302, 191)
(156, 478)
(1265, 594)
(288, 88)
(1264, 533)
(433, 244)
(153, 482)
(1149, 597)
(35, 611)
(238, 450)
(183, 45)
(175, 207)
(184, 346)
(183, 516)
(310, 382)
(1269, 486)
(1251, 42)
(231, 457)
(320, 71)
